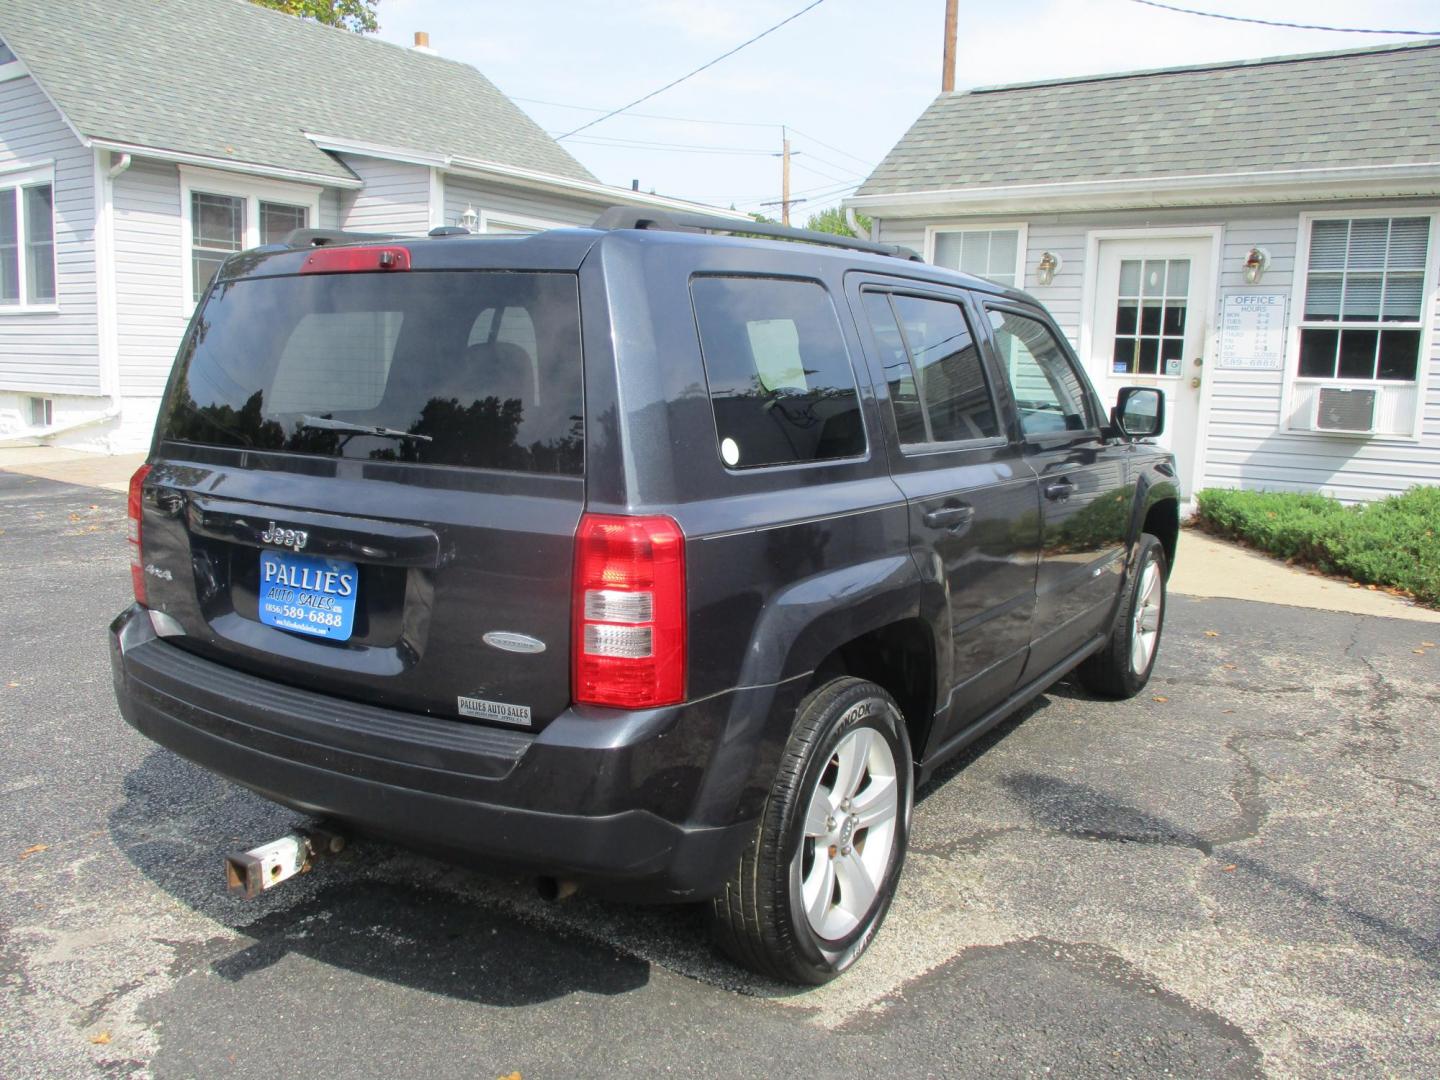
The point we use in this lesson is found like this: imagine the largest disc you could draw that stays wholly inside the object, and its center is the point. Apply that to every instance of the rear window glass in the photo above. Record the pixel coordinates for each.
(780, 378)
(470, 368)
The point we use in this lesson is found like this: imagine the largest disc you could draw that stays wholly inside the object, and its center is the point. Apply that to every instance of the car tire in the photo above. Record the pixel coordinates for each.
(1122, 668)
(817, 877)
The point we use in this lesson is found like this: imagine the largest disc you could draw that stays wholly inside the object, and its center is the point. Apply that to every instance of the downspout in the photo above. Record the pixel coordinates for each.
(118, 167)
(855, 227)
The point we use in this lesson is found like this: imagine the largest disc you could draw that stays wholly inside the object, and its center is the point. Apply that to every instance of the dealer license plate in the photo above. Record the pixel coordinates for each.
(308, 595)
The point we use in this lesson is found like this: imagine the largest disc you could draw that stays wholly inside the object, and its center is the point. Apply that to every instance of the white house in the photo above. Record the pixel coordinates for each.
(1261, 239)
(143, 141)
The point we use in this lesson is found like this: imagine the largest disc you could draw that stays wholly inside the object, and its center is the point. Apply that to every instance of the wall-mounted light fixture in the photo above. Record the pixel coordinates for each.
(470, 220)
(1257, 261)
(1048, 266)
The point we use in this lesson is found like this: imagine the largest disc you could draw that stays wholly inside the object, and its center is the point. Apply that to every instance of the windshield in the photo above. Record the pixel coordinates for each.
(470, 368)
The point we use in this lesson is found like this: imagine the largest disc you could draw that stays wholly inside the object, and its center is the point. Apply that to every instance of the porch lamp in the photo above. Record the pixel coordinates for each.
(470, 220)
(1047, 267)
(1257, 261)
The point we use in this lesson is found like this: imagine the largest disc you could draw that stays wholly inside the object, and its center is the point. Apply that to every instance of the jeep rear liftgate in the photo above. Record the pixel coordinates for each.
(369, 483)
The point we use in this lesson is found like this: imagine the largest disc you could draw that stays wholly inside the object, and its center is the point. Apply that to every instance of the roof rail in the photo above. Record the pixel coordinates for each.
(304, 238)
(630, 217)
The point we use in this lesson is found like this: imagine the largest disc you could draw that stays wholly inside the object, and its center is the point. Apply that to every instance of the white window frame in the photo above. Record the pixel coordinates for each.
(16, 69)
(11, 183)
(1022, 239)
(1297, 316)
(254, 190)
(491, 217)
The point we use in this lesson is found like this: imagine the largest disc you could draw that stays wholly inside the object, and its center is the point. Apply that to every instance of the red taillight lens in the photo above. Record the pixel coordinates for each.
(629, 614)
(135, 512)
(355, 260)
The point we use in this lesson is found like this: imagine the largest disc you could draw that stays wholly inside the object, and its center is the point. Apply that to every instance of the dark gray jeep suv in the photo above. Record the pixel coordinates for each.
(643, 557)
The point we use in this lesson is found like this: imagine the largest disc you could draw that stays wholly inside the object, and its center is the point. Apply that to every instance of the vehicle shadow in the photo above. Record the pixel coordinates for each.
(377, 911)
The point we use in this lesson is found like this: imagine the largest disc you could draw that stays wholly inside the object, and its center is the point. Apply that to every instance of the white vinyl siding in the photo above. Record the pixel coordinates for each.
(504, 209)
(148, 261)
(395, 198)
(55, 349)
(1245, 443)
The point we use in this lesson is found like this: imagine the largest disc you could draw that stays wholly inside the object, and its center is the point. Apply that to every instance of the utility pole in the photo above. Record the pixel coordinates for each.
(784, 177)
(947, 65)
(785, 201)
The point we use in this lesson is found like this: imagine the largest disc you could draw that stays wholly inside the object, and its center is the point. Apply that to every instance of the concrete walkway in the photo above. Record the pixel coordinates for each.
(108, 471)
(1205, 567)
(1208, 567)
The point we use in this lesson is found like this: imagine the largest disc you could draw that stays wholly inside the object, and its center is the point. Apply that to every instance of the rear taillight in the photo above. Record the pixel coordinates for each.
(353, 260)
(135, 512)
(629, 613)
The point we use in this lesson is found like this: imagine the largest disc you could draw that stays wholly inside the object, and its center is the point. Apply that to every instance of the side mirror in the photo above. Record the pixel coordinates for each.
(1139, 412)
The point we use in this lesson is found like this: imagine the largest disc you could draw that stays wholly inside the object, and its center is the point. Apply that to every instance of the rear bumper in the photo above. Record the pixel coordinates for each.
(637, 803)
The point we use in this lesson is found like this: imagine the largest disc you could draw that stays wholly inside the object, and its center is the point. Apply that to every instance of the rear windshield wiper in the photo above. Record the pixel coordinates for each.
(324, 423)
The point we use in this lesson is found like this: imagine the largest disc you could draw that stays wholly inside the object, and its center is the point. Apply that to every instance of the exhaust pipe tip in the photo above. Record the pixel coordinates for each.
(553, 890)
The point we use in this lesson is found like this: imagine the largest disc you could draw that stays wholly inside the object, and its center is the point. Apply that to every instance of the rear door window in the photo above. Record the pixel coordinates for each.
(780, 379)
(938, 388)
(463, 368)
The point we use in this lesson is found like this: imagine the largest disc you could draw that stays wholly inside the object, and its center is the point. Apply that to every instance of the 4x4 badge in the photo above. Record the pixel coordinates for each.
(294, 539)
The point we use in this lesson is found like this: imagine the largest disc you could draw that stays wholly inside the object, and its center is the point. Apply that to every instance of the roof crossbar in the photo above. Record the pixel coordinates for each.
(630, 217)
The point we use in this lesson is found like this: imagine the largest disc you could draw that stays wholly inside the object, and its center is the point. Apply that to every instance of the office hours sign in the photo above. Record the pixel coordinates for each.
(1252, 332)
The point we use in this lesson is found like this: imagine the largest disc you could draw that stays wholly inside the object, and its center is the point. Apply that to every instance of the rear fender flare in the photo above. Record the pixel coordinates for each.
(798, 627)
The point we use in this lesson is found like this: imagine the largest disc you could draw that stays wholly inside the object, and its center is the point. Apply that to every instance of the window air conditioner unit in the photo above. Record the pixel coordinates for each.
(1346, 409)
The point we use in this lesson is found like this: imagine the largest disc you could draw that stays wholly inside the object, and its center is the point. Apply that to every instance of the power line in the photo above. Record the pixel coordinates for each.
(691, 74)
(1284, 25)
(845, 153)
(696, 148)
(652, 116)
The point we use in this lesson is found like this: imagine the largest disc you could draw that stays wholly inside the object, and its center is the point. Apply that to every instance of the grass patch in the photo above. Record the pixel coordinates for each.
(1394, 542)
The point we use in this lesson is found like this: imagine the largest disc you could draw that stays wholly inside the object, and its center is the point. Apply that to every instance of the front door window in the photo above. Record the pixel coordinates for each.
(1150, 310)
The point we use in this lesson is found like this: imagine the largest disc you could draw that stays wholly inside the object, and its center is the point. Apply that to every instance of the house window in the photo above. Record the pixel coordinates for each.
(277, 221)
(42, 412)
(1363, 312)
(223, 222)
(217, 231)
(27, 244)
(987, 253)
(7, 55)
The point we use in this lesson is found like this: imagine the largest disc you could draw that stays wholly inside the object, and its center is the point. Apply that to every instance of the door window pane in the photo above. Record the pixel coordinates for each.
(1048, 391)
(950, 376)
(217, 230)
(780, 380)
(1150, 312)
(40, 244)
(278, 220)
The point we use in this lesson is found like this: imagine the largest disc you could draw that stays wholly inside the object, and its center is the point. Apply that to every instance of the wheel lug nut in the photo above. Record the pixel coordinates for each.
(844, 851)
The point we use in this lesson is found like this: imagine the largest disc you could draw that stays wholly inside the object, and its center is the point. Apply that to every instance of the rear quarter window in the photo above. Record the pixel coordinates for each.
(781, 384)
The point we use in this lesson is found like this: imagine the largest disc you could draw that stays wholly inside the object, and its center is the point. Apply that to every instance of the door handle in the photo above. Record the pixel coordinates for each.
(1060, 490)
(951, 518)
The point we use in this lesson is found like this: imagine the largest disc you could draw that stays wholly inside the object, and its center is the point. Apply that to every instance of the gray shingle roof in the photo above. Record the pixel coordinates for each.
(1361, 107)
(230, 80)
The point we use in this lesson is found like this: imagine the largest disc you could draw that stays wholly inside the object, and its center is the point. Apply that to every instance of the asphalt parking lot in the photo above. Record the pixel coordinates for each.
(1233, 875)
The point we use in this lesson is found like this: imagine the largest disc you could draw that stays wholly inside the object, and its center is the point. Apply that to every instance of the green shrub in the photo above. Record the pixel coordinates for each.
(1394, 542)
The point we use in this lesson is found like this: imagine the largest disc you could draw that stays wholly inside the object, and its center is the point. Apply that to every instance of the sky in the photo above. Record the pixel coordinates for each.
(845, 80)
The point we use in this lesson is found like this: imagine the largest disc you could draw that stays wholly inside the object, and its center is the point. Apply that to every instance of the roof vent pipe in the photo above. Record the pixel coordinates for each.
(422, 42)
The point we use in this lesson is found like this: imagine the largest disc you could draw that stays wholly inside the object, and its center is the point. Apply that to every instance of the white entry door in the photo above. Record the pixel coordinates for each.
(1152, 298)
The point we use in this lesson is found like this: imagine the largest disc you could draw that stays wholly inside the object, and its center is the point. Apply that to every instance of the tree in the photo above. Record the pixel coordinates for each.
(833, 221)
(356, 15)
